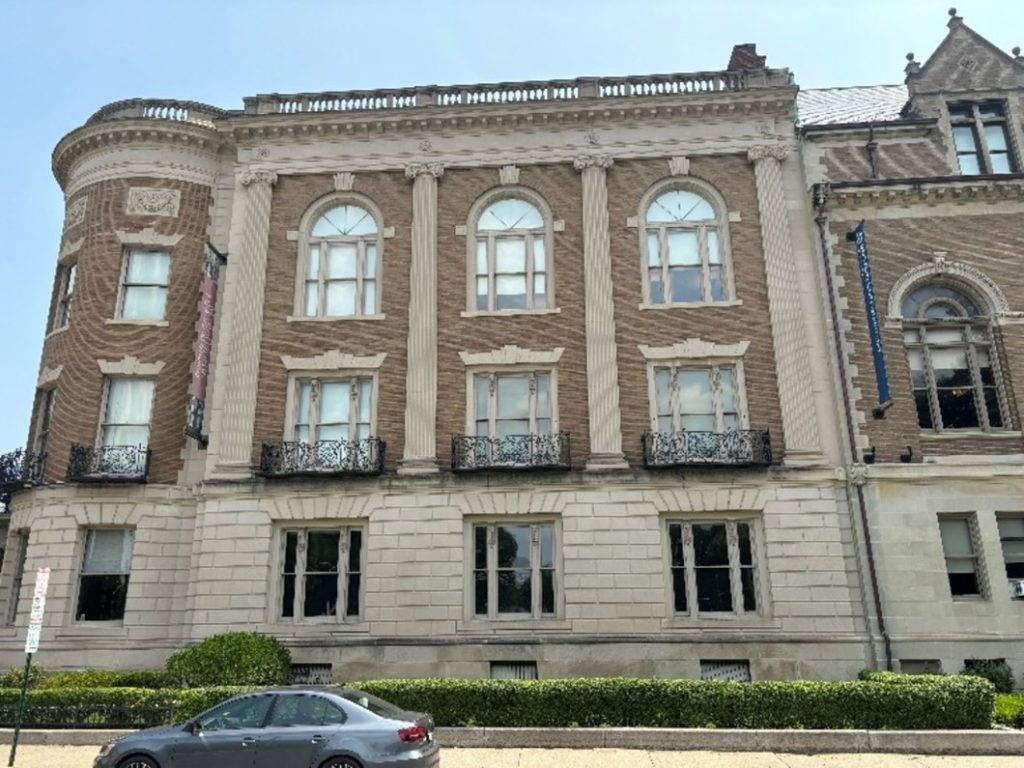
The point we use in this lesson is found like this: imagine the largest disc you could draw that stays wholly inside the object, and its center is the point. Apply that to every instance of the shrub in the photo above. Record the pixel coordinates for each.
(895, 678)
(105, 678)
(14, 677)
(996, 671)
(928, 704)
(1009, 711)
(231, 658)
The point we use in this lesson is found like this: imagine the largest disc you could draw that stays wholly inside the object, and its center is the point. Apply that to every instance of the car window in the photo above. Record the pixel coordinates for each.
(379, 707)
(235, 715)
(304, 709)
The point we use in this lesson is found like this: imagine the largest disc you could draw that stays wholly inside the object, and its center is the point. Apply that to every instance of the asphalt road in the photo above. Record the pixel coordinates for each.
(81, 757)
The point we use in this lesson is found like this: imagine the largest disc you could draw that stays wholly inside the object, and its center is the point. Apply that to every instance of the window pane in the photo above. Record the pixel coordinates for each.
(511, 292)
(714, 256)
(717, 285)
(964, 583)
(727, 388)
(334, 400)
(540, 300)
(950, 367)
(547, 547)
(322, 551)
(510, 255)
(509, 427)
(683, 249)
(513, 546)
(543, 381)
(743, 536)
(313, 265)
(547, 591)
(749, 595)
(114, 435)
(347, 220)
(365, 396)
(710, 546)
(675, 536)
(956, 538)
(369, 297)
(108, 551)
(924, 411)
(481, 293)
(355, 551)
(291, 546)
(144, 302)
(686, 284)
(679, 604)
(995, 137)
(958, 408)
(148, 267)
(695, 392)
(515, 591)
(481, 256)
(312, 299)
(341, 261)
(480, 547)
(662, 391)
(679, 205)
(481, 395)
(714, 589)
(963, 137)
(321, 595)
(513, 397)
(340, 298)
(352, 598)
(656, 287)
(538, 255)
(305, 395)
(370, 267)
(969, 165)
(101, 598)
(129, 401)
(511, 213)
(653, 252)
(480, 593)
(1000, 163)
(288, 597)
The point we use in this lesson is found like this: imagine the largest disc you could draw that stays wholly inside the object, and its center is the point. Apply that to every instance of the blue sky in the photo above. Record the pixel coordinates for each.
(61, 61)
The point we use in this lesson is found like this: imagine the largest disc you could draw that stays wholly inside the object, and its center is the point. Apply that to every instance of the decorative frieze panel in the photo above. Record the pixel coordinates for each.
(153, 201)
(510, 354)
(333, 360)
(344, 181)
(75, 213)
(508, 174)
(129, 366)
(695, 348)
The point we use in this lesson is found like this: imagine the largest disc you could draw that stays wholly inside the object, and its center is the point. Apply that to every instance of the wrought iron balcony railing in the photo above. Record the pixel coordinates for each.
(108, 463)
(326, 457)
(732, 448)
(19, 469)
(471, 454)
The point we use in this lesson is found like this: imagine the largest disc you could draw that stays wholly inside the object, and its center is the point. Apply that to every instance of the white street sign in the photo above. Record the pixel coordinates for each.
(35, 617)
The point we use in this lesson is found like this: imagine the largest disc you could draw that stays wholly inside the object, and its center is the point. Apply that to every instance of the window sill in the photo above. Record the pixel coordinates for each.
(54, 332)
(970, 599)
(695, 305)
(137, 322)
(510, 312)
(972, 434)
(91, 629)
(490, 625)
(334, 318)
(304, 628)
(720, 621)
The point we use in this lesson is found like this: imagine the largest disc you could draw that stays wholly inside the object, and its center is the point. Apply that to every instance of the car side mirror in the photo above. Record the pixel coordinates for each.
(193, 727)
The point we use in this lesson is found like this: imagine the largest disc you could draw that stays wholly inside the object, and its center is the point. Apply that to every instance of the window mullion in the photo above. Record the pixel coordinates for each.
(528, 250)
(705, 262)
(735, 583)
(933, 390)
(360, 275)
(301, 544)
(342, 581)
(997, 375)
(535, 607)
(492, 279)
(673, 398)
(979, 389)
(321, 279)
(492, 405)
(666, 289)
(492, 572)
(981, 140)
(532, 388)
(716, 399)
(689, 559)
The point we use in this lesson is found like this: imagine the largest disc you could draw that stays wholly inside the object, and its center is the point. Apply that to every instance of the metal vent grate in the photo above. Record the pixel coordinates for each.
(737, 671)
(514, 670)
(312, 674)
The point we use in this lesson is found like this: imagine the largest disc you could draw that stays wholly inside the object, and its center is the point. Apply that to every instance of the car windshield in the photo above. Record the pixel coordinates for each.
(372, 703)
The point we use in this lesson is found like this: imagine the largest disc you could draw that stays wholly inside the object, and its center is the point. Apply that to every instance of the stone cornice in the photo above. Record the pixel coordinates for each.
(926, 191)
(129, 366)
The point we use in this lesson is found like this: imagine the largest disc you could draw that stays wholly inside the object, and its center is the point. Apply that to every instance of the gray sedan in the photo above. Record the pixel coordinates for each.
(329, 727)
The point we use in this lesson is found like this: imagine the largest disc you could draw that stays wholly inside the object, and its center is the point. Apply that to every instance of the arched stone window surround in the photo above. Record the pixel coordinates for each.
(965, 336)
(482, 203)
(305, 240)
(717, 202)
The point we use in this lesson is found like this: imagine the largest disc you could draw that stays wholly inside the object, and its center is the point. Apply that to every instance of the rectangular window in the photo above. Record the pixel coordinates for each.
(127, 415)
(65, 293)
(508, 404)
(1011, 537)
(333, 410)
(712, 568)
(103, 583)
(514, 570)
(19, 540)
(41, 441)
(341, 278)
(321, 574)
(514, 670)
(961, 560)
(144, 290)
(981, 138)
(696, 399)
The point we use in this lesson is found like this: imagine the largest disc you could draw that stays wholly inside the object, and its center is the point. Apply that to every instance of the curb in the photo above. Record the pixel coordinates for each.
(668, 739)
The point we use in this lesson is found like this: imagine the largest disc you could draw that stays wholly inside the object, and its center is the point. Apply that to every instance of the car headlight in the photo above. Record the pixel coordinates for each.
(107, 748)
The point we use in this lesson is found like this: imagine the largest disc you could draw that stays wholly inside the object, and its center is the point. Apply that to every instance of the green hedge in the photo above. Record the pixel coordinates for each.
(232, 658)
(105, 678)
(928, 704)
(109, 707)
(1010, 710)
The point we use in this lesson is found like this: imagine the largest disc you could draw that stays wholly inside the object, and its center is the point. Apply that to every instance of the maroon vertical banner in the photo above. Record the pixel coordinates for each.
(204, 344)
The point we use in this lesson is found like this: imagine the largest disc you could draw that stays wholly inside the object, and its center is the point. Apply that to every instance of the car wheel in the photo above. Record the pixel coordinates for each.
(341, 762)
(138, 761)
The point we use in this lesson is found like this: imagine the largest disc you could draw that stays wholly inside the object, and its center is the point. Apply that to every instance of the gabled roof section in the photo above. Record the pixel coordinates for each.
(858, 104)
(964, 61)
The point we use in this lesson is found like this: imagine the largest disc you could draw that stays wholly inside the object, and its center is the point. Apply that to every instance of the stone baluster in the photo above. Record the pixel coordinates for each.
(420, 455)
(796, 397)
(602, 365)
(239, 350)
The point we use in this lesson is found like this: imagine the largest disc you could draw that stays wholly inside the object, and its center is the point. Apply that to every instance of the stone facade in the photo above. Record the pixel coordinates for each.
(220, 530)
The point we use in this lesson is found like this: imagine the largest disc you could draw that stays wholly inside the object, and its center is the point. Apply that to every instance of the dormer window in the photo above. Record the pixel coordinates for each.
(981, 138)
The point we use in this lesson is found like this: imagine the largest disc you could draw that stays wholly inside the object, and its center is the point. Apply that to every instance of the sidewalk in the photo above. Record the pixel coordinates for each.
(81, 757)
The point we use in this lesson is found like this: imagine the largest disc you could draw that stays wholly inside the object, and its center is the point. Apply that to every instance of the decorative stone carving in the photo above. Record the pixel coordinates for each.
(592, 138)
(511, 354)
(425, 145)
(858, 474)
(583, 162)
(153, 201)
(508, 174)
(418, 169)
(129, 365)
(940, 266)
(694, 348)
(333, 360)
(776, 151)
(48, 376)
(253, 176)
(679, 166)
(344, 181)
(261, 152)
(75, 213)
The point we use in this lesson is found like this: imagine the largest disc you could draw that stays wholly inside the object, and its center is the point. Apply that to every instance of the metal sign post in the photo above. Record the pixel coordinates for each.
(35, 628)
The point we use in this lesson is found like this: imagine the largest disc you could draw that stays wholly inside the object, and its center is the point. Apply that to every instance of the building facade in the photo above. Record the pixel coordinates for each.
(552, 378)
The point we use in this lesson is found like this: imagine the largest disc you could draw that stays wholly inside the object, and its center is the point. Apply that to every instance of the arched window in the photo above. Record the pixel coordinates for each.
(686, 249)
(512, 268)
(342, 264)
(954, 369)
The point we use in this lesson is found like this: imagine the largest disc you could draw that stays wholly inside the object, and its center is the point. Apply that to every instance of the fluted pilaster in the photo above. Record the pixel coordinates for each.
(239, 350)
(420, 455)
(602, 363)
(799, 419)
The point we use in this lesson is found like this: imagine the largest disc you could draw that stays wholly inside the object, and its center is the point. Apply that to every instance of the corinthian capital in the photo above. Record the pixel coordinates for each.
(418, 169)
(258, 177)
(593, 161)
(775, 151)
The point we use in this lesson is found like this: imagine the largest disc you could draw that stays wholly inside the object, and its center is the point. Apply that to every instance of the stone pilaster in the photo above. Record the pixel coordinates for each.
(602, 364)
(238, 374)
(796, 396)
(421, 377)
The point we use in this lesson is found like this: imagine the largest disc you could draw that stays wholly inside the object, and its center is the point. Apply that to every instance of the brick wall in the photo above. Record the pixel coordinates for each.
(88, 338)
(897, 159)
(733, 176)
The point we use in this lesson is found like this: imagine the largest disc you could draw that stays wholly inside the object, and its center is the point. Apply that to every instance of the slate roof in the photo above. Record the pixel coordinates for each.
(857, 104)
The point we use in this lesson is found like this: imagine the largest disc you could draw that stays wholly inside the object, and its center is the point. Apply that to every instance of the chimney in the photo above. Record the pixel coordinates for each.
(744, 57)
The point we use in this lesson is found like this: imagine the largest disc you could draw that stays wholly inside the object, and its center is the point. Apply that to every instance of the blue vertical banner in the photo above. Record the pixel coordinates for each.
(874, 332)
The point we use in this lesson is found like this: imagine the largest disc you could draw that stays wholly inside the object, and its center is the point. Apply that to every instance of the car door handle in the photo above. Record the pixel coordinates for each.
(317, 739)
(248, 741)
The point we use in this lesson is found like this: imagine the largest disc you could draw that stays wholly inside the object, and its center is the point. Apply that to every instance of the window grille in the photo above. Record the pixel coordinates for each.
(737, 671)
(514, 670)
